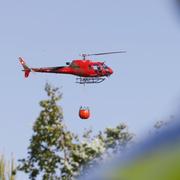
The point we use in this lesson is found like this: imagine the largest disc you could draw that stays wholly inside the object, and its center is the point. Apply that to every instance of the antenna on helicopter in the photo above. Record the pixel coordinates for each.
(100, 54)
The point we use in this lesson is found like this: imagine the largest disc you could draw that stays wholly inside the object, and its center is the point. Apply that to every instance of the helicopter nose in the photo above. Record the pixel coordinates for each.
(110, 71)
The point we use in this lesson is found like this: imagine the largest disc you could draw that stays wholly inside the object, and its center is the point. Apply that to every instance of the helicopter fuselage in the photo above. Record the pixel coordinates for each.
(81, 68)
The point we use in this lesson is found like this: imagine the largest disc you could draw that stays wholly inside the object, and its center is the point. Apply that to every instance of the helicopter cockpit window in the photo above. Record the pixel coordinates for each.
(96, 67)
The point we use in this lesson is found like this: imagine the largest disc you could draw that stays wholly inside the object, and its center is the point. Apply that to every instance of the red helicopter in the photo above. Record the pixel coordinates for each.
(88, 71)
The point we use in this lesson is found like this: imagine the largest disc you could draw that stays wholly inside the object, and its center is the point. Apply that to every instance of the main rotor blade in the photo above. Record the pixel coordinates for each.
(99, 54)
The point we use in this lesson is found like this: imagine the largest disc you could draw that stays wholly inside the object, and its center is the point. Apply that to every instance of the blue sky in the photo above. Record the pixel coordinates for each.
(143, 89)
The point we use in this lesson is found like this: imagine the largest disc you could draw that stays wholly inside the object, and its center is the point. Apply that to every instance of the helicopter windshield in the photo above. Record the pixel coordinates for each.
(105, 66)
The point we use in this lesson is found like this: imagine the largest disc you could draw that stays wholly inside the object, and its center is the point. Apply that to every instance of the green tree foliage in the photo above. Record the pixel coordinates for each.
(7, 170)
(56, 153)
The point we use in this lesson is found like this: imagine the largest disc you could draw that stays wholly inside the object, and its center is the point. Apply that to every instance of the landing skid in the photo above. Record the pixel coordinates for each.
(89, 80)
